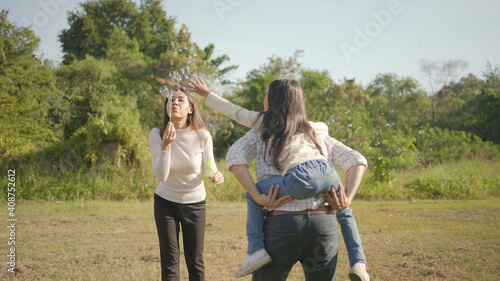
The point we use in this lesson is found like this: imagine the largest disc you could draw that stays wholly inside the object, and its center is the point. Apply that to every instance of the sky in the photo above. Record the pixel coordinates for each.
(348, 39)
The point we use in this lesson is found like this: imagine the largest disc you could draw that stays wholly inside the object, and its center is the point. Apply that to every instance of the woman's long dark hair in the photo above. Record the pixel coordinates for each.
(194, 119)
(285, 117)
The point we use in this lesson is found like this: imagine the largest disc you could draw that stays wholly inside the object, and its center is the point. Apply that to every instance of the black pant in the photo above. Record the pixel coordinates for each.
(312, 239)
(169, 216)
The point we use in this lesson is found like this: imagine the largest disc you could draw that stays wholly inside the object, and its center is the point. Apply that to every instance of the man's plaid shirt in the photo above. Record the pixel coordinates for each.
(251, 147)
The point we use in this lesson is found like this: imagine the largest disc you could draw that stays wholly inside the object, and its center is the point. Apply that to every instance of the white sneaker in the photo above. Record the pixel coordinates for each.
(358, 272)
(254, 261)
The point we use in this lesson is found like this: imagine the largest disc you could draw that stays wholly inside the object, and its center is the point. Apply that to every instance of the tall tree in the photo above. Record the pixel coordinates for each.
(439, 74)
(391, 85)
(27, 85)
(154, 29)
(472, 105)
(91, 27)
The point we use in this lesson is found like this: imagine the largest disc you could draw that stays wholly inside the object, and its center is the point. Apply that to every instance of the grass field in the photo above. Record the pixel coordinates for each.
(112, 240)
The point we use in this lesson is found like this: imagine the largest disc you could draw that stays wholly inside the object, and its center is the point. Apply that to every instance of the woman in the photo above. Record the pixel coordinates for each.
(178, 150)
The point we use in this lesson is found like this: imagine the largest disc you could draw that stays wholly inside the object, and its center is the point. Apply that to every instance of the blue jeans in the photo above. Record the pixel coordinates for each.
(305, 180)
(351, 236)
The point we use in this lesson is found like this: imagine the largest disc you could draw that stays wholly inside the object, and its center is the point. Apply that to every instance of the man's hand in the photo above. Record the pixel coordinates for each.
(271, 200)
(338, 202)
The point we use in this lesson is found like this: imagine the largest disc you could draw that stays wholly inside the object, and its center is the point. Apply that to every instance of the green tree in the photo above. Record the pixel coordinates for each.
(484, 116)
(92, 26)
(439, 74)
(83, 84)
(27, 85)
(391, 85)
(471, 105)
(400, 102)
(154, 30)
(93, 110)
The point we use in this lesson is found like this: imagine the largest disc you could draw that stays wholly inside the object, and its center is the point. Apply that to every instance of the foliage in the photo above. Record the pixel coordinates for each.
(92, 26)
(55, 120)
(461, 179)
(471, 105)
(27, 89)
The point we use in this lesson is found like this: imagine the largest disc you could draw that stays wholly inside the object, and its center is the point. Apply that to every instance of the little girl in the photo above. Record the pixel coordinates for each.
(291, 139)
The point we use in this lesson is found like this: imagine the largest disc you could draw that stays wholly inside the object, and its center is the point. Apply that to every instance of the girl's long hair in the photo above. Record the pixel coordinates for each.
(285, 117)
(193, 120)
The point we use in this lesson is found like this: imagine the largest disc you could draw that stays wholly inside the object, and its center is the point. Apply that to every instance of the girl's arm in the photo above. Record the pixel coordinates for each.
(247, 118)
(208, 153)
(160, 159)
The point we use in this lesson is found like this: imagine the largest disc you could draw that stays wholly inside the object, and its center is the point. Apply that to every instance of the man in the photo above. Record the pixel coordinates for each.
(302, 230)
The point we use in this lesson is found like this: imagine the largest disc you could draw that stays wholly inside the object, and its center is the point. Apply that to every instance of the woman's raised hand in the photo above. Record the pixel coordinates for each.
(168, 137)
(197, 85)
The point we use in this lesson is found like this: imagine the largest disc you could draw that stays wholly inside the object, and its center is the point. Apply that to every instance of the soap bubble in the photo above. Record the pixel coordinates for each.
(330, 120)
(183, 49)
(185, 71)
(164, 90)
(175, 77)
(192, 57)
(178, 78)
(421, 132)
(172, 74)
